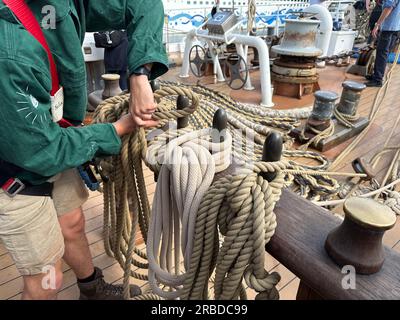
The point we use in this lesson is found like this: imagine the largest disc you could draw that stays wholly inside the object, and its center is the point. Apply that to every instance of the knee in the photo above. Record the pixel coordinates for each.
(44, 286)
(73, 225)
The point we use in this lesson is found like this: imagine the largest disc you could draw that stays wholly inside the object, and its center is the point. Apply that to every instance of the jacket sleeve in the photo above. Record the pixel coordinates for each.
(29, 137)
(143, 20)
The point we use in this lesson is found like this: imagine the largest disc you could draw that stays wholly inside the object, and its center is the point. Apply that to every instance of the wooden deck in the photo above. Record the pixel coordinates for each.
(331, 79)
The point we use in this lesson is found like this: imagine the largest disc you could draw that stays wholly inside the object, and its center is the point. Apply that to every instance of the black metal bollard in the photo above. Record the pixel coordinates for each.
(350, 98)
(181, 103)
(323, 110)
(272, 152)
(220, 123)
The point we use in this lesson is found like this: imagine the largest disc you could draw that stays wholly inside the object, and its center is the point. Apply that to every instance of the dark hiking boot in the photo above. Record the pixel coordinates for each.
(374, 83)
(98, 289)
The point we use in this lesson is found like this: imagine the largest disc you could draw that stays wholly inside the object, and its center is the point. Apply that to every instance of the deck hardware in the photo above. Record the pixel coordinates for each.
(220, 123)
(111, 89)
(111, 85)
(198, 61)
(272, 152)
(322, 113)
(361, 165)
(236, 71)
(324, 105)
(181, 103)
(350, 98)
(358, 240)
(294, 73)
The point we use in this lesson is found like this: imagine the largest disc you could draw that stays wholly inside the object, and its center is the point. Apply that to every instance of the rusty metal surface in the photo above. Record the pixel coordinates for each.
(297, 80)
(318, 124)
(294, 72)
(299, 39)
(351, 96)
(324, 105)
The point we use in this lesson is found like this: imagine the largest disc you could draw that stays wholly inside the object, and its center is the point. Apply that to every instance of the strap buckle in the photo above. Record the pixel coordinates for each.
(13, 187)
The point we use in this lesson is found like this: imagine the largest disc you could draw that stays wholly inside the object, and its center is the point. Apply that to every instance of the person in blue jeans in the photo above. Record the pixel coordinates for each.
(116, 60)
(389, 26)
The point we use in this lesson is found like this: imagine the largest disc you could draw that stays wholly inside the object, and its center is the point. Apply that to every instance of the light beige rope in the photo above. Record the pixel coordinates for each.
(125, 196)
(188, 165)
(242, 205)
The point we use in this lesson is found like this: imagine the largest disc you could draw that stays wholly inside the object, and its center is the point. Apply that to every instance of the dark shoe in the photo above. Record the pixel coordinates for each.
(368, 77)
(374, 83)
(98, 289)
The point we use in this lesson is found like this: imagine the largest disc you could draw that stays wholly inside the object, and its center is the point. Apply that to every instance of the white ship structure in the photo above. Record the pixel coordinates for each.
(184, 15)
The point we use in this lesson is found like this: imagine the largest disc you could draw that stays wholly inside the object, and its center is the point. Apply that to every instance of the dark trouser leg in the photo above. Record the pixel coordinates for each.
(123, 81)
(382, 54)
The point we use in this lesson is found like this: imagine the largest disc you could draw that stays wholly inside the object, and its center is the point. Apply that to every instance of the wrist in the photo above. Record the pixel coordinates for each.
(144, 70)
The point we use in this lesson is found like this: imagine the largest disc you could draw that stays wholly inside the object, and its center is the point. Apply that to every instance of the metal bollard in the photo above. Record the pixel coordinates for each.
(323, 110)
(350, 98)
(272, 152)
(358, 240)
(220, 123)
(181, 103)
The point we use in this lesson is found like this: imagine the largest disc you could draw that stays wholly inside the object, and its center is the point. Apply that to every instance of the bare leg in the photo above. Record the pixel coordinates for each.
(77, 254)
(43, 286)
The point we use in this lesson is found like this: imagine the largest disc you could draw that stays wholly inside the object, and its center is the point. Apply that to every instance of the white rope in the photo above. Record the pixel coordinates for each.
(188, 166)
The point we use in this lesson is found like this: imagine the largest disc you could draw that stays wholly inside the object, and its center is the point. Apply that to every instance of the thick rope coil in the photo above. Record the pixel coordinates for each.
(125, 196)
(187, 164)
(242, 204)
(126, 202)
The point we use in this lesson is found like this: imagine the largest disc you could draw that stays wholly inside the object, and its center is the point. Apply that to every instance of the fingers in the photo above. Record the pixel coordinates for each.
(146, 116)
(145, 123)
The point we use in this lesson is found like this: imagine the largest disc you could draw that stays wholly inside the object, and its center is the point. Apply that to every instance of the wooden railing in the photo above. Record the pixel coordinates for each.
(299, 245)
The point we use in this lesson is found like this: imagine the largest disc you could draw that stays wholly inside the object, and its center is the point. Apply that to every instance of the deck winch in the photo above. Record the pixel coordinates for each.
(294, 73)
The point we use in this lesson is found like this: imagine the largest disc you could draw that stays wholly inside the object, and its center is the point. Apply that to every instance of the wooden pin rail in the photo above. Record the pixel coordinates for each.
(299, 245)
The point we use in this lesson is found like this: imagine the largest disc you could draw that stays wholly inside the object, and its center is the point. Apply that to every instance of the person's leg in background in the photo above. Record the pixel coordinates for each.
(382, 54)
(116, 61)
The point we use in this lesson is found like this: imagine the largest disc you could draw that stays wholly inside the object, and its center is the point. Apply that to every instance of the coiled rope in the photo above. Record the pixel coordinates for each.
(187, 164)
(125, 197)
(126, 203)
(242, 206)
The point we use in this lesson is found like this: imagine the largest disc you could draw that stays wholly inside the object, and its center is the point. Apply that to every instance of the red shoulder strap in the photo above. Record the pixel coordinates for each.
(28, 20)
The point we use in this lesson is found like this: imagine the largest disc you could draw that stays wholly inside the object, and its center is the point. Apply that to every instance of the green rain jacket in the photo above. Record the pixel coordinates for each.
(28, 137)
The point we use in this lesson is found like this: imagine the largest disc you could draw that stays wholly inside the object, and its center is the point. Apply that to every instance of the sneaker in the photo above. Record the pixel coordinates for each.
(374, 83)
(98, 289)
(368, 77)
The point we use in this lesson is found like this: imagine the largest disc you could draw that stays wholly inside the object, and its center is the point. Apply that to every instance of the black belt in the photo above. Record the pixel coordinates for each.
(42, 190)
(14, 187)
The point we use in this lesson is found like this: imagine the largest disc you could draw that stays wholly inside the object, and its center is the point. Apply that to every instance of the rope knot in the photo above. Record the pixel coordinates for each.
(263, 283)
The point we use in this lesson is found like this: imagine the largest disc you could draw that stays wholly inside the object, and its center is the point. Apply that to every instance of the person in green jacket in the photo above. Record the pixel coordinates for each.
(36, 229)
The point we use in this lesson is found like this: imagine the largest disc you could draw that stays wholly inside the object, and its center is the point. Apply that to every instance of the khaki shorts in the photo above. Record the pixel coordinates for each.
(29, 227)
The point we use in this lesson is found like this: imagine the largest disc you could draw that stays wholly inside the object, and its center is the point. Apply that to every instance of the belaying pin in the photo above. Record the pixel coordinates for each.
(272, 152)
